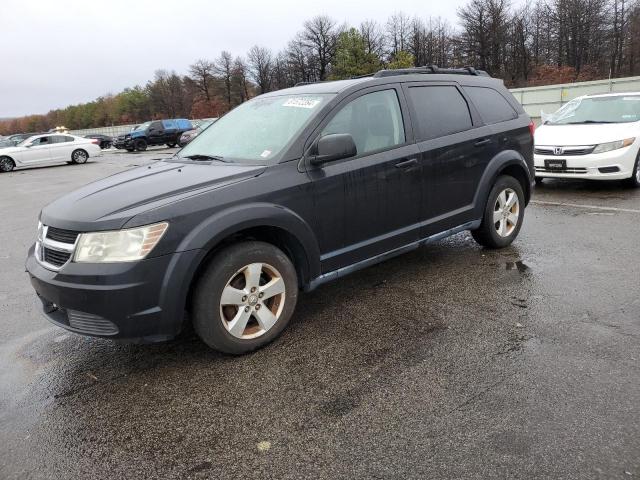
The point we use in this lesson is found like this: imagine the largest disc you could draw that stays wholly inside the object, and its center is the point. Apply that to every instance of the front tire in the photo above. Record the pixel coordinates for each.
(79, 156)
(634, 180)
(171, 145)
(503, 214)
(245, 297)
(140, 145)
(6, 164)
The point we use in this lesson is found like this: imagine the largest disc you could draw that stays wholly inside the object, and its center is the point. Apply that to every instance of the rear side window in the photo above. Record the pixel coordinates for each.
(441, 110)
(492, 106)
(374, 120)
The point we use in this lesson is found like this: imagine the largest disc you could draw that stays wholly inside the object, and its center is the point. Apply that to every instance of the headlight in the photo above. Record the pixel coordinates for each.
(119, 245)
(607, 147)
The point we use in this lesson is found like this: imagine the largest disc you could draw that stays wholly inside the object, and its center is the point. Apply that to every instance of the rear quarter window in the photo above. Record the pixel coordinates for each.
(491, 105)
(440, 109)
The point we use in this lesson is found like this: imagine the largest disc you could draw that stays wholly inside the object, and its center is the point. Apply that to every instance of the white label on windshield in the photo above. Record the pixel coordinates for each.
(265, 154)
(301, 102)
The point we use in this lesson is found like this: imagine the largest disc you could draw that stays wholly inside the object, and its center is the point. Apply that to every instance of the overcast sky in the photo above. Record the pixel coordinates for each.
(61, 52)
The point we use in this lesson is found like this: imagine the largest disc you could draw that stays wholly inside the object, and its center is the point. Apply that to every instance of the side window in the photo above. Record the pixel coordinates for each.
(58, 139)
(492, 106)
(68, 138)
(441, 110)
(42, 141)
(157, 126)
(374, 121)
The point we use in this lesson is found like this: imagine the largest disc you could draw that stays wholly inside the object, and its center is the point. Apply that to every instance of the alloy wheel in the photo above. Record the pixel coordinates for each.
(252, 301)
(506, 212)
(79, 156)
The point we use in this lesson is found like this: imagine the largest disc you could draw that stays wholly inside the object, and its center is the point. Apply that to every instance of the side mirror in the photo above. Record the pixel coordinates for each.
(335, 146)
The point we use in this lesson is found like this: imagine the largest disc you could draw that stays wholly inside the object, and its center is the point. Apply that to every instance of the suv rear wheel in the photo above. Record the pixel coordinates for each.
(245, 297)
(503, 214)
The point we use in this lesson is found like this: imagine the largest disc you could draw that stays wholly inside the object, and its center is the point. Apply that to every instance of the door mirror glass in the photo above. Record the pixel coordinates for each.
(336, 146)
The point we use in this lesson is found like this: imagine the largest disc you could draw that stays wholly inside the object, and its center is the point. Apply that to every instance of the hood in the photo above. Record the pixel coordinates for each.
(10, 149)
(109, 203)
(589, 134)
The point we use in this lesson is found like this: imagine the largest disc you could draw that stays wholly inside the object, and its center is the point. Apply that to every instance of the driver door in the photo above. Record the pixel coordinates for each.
(39, 151)
(369, 204)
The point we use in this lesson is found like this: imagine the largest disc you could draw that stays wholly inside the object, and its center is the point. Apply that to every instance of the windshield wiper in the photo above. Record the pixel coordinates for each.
(202, 156)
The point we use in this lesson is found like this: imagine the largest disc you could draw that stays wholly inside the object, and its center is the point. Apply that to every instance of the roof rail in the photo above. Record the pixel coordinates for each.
(431, 69)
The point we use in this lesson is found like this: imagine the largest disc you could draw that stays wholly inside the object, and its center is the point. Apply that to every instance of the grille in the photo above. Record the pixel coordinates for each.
(55, 257)
(564, 170)
(90, 324)
(60, 235)
(567, 152)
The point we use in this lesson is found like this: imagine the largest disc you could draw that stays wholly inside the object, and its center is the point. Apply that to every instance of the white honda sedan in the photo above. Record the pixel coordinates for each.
(596, 137)
(47, 149)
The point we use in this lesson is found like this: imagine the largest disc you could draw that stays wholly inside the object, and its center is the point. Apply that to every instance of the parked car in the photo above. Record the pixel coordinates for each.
(13, 140)
(104, 141)
(47, 149)
(289, 190)
(189, 135)
(157, 132)
(595, 137)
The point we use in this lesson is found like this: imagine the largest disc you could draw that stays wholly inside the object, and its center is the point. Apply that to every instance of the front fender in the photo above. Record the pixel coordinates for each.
(216, 228)
(498, 164)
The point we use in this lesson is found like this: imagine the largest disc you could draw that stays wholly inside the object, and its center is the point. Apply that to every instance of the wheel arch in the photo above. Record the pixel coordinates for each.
(272, 224)
(507, 162)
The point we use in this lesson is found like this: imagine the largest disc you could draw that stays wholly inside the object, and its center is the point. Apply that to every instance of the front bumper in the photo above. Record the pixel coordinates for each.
(137, 301)
(123, 143)
(613, 165)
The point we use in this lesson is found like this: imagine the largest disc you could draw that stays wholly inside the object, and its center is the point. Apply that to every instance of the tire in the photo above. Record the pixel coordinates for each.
(140, 145)
(539, 180)
(171, 145)
(79, 156)
(258, 320)
(6, 164)
(129, 149)
(634, 180)
(507, 210)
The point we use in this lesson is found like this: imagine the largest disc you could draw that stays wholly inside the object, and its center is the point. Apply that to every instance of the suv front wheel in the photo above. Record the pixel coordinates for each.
(503, 214)
(245, 297)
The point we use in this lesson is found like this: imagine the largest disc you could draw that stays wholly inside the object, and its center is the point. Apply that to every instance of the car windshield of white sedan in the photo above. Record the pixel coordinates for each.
(257, 131)
(614, 109)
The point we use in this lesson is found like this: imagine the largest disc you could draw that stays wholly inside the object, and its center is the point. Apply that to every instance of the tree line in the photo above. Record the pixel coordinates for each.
(540, 43)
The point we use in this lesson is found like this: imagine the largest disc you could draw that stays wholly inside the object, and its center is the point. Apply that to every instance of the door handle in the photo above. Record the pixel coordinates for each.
(482, 143)
(407, 163)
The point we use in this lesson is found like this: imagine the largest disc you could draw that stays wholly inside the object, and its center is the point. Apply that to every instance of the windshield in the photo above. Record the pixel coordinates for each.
(141, 127)
(614, 109)
(258, 130)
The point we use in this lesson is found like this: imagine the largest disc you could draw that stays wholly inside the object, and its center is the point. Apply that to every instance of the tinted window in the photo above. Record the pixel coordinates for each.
(156, 126)
(492, 106)
(42, 141)
(441, 110)
(60, 139)
(374, 121)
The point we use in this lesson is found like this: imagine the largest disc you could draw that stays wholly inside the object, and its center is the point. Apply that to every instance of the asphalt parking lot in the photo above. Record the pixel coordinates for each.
(448, 362)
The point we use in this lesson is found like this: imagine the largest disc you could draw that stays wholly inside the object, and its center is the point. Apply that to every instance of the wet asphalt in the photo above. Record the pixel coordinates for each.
(449, 362)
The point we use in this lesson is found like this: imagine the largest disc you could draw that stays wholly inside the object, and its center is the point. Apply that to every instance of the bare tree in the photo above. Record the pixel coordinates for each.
(202, 72)
(224, 69)
(373, 36)
(320, 37)
(398, 29)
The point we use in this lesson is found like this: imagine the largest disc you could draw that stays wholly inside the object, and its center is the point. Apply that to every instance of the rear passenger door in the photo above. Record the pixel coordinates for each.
(368, 204)
(455, 148)
(61, 148)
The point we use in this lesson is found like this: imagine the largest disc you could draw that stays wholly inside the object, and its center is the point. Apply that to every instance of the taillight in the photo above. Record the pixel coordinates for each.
(95, 141)
(532, 128)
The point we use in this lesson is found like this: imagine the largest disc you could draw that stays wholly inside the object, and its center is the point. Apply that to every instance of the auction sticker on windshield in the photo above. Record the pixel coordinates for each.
(301, 102)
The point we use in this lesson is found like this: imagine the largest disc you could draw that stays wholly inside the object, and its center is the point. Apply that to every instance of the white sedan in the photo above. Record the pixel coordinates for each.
(595, 137)
(47, 149)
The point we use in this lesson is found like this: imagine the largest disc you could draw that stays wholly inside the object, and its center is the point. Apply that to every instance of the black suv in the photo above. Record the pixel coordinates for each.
(157, 132)
(288, 191)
